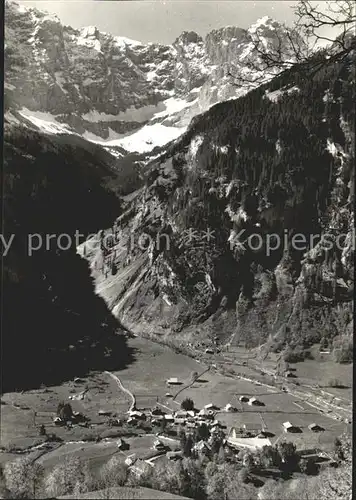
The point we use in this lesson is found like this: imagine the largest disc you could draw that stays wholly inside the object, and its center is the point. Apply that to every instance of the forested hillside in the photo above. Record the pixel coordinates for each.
(278, 160)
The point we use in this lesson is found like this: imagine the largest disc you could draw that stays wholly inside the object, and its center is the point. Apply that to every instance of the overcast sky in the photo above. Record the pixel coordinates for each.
(163, 20)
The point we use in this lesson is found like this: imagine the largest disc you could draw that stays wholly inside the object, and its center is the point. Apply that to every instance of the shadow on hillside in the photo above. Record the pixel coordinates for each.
(54, 326)
(59, 329)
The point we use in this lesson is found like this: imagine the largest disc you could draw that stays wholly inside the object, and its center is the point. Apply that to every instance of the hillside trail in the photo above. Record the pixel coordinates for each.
(129, 393)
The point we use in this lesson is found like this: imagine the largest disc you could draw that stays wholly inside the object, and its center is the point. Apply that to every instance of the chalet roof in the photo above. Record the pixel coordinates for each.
(252, 426)
(181, 413)
(173, 380)
(201, 445)
(287, 425)
(174, 454)
(249, 443)
(135, 413)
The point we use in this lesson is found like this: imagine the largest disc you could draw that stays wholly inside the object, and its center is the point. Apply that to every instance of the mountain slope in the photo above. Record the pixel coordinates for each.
(105, 87)
(276, 161)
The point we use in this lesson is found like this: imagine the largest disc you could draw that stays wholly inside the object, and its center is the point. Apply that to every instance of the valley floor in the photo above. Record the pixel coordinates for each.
(23, 413)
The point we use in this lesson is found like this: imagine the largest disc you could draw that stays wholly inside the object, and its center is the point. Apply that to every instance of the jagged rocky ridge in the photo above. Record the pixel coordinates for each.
(277, 160)
(104, 87)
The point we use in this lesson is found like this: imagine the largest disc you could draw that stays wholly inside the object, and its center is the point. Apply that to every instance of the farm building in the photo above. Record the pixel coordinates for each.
(209, 406)
(209, 351)
(229, 407)
(173, 381)
(289, 427)
(104, 413)
(179, 421)
(264, 434)
(243, 399)
(252, 429)
(130, 460)
(158, 445)
(255, 402)
(315, 427)
(169, 395)
(289, 374)
(201, 447)
(181, 414)
(157, 419)
(236, 441)
(174, 455)
(137, 414)
(140, 467)
(122, 445)
(157, 411)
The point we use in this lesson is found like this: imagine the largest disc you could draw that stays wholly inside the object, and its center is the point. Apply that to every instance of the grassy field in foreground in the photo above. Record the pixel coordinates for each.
(23, 413)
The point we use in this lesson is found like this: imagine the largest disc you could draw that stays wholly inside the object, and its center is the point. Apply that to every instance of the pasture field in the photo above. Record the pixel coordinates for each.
(157, 363)
(23, 413)
(278, 407)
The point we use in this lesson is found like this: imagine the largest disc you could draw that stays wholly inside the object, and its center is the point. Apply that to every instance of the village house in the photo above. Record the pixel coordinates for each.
(315, 427)
(202, 447)
(179, 421)
(243, 399)
(181, 414)
(174, 455)
(235, 440)
(289, 427)
(157, 411)
(251, 429)
(173, 381)
(104, 413)
(157, 418)
(137, 415)
(229, 408)
(210, 406)
(255, 402)
(158, 445)
(122, 445)
(130, 460)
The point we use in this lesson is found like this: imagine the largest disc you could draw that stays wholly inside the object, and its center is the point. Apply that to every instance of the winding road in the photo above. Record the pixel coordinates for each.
(129, 393)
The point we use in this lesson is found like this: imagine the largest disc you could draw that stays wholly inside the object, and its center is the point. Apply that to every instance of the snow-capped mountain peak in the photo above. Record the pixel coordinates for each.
(109, 87)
